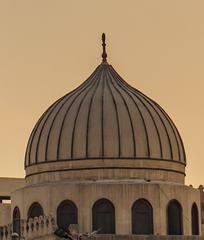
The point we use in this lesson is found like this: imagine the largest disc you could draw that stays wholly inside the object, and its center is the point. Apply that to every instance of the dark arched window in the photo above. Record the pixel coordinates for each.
(174, 217)
(103, 216)
(66, 214)
(142, 217)
(35, 210)
(16, 221)
(194, 220)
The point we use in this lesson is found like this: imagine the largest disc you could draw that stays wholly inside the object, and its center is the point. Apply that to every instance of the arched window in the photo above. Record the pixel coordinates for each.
(142, 217)
(35, 210)
(174, 217)
(66, 214)
(103, 216)
(16, 221)
(194, 220)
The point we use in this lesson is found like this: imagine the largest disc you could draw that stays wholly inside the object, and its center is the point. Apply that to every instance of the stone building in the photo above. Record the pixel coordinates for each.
(103, 157)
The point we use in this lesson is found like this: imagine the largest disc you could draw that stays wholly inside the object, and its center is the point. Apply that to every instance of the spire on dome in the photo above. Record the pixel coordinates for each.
(104, 54)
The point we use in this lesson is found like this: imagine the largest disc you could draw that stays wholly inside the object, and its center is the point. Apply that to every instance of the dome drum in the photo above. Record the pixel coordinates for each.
(100, 169)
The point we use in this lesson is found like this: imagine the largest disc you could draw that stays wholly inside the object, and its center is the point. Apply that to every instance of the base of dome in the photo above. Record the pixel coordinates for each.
(101, 169)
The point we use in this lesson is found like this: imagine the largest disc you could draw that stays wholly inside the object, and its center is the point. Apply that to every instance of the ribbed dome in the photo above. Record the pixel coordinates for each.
(104, 118)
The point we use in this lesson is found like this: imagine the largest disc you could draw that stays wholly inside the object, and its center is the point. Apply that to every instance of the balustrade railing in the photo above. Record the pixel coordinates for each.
(30, 229)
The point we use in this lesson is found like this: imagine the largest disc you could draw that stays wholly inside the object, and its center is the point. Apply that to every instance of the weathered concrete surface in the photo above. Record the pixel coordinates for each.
(106, 169)
(9, 185)
(122, 193)
(5, 212)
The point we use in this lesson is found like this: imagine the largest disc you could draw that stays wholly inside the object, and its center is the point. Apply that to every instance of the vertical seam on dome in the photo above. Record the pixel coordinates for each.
(90, 81)
(127, 87)
(29, 146)
(157, 131)
(37, 125)
(176, 132)
(173, 126)
(48, 136)
(128, 111)
(28, 149)
(51, 126)
(63, 121)
(88, 118)
(76, 117)
(40, 134)
(167, 134)
(102, 117)
(141, 115)
(117, 118)
(168, 118)
(58, 101)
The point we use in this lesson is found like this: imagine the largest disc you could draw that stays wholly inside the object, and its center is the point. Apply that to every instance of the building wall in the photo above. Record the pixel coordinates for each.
(122, 194)
(5, 211)
(8, 185)
(201, 189)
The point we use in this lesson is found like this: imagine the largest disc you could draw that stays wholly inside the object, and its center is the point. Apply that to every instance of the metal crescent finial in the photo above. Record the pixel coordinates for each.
(104, 54)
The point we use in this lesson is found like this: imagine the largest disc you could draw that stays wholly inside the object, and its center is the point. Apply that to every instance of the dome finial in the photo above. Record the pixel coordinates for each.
(104, 54)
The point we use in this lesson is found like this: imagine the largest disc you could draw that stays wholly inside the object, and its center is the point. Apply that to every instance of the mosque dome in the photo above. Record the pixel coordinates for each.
(104, 124)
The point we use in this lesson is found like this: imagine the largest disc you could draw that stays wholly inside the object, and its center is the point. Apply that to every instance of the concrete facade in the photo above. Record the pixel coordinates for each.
(5, 214)
(7, 186)
(121, 193)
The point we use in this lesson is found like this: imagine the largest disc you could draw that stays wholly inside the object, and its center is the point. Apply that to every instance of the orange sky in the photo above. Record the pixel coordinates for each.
(48, 47)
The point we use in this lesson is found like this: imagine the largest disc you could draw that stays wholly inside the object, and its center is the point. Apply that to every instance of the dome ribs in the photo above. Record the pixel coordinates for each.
(76, 118)
(117, 118)
(51, 126)
(58, 111)
(41, 130)
(88, 118)
(149, 102)
(176, 132)
(109, 123)
(30, 141)
(36, 128)
(102, 120)
(149, 112)
(47, 137)
(164, 125)
(127, 109)
(32, 135)
(90, 80)
(154, 123)
(138, 109)
(171, 123)
(49, 112)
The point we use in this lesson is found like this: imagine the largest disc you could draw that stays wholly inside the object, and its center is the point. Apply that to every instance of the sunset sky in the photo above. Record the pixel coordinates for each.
(48, 47)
